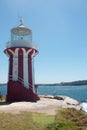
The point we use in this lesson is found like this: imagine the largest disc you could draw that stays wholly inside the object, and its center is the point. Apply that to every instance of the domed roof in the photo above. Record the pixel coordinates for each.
(21, 30)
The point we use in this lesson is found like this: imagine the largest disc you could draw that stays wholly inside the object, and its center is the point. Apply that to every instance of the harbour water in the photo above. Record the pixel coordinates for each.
(76, 92)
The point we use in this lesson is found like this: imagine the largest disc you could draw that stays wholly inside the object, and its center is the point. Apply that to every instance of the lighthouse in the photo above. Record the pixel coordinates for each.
(21, 52)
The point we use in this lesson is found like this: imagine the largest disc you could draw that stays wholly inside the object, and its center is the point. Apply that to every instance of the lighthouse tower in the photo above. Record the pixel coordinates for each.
(21, 52)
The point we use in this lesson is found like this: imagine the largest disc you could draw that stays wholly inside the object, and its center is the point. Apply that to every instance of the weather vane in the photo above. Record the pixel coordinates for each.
(21, 20)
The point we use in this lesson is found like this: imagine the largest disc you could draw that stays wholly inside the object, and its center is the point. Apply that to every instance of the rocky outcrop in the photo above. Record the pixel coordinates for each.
(47, 104)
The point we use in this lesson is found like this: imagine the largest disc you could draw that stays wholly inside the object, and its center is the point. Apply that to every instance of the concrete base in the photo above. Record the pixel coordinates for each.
(17, 92)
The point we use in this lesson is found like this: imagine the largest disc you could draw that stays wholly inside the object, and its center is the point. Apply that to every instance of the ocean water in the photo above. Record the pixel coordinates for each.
(76, 92)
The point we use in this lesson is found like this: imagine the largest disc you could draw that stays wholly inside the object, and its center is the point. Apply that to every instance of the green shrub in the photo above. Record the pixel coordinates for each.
(54, 126)
(68, 119)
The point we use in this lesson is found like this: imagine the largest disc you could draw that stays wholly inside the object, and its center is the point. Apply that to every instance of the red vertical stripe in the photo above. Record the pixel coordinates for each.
(10, 67)
(30, 71)
(20, 65)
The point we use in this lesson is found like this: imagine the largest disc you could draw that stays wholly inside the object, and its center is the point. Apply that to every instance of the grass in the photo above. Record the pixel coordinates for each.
(65, 119)
(21, 121)
(24, 121)
(43, 118)
(69, 119)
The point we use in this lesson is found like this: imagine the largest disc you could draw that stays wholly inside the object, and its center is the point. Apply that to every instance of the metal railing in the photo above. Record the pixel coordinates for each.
(21, 43)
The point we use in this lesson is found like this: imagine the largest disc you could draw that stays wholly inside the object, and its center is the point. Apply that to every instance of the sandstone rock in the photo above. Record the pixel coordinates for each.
(71, 101)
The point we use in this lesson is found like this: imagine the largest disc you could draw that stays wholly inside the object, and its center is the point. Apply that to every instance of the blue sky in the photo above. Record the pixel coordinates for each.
(60, 30)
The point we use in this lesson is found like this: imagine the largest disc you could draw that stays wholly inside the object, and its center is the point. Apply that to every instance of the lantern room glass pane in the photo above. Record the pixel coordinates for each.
(17, 37)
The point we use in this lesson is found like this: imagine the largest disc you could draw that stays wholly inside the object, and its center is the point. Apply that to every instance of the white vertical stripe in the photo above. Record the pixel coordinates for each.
(33, 78)
(25, 69)
(15, 65)
(15, 69)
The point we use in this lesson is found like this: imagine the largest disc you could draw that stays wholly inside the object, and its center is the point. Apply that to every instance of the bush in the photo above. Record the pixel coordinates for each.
(69, 119)
(54, 126)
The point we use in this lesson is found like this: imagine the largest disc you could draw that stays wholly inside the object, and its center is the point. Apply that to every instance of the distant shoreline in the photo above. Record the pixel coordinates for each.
(74, 83)
(3, 84)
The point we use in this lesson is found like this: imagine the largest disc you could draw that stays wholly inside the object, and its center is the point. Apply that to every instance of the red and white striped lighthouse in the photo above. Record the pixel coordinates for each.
(21, 52)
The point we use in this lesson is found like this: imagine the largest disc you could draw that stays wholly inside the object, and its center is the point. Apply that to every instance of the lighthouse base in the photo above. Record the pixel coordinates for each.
(17, 92)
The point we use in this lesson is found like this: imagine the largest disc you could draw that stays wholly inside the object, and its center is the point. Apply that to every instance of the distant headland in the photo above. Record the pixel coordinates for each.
(2, 84)
(74, 83)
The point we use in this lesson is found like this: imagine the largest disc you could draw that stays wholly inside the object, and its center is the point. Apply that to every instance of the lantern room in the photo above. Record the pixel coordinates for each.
(21, 36)
(21, 33)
